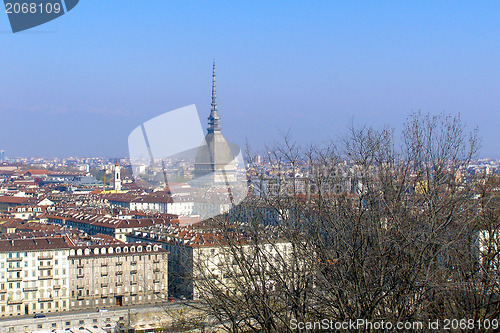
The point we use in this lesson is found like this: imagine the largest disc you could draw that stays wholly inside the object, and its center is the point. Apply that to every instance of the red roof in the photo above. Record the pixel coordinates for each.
(37, 172)
(12, 200)
(34, 244)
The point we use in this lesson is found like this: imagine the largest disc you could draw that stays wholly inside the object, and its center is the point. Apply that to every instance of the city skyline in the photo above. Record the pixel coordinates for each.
(78, 85)
(248, 166)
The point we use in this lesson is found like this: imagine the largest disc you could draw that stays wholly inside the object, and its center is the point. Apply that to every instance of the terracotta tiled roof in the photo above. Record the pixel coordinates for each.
(13, 200)
(33, 244)
(37, 172)
(107, 222)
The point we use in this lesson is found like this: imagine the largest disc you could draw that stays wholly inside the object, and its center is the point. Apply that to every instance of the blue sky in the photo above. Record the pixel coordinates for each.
(77, 86)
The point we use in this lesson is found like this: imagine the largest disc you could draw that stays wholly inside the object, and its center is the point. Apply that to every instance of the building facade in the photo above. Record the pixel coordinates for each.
(34, 276)
(103, 276)
(52, 275)
(200, 258)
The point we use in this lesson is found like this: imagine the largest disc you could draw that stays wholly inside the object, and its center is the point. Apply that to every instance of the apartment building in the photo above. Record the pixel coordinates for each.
(165, 204)
(197, 257)
(116, 275)
(34, 276)
(93, 223)
(43, 275)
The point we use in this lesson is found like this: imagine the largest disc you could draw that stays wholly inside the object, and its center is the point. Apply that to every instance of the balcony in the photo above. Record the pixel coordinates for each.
(104, 274)
(27, 289)
(104, 265)
(14, 301)
(104, 285)
(46, 277)
(119, 284)
(79, 287)
(14, 279)
(80, 275)
(133, 263)
(133, 272)
(56, 287)
(119, 273)
(14, 269)
(156, 270)
(133, 283)
(156, 261)
(118, 264)
(44, 267)
(45, 299)
(46, 257)
(156, 281)
(79, 266)
(14, 259)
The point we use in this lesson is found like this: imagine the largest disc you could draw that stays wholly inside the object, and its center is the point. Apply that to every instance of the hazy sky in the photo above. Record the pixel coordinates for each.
(77, 86)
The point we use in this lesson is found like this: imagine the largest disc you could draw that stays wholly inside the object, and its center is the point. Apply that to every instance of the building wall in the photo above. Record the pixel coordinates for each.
(216, 265)
(52, 280)
(149, 206)
(129, 275)
(190, 265)
(182, 208)
(34, 282)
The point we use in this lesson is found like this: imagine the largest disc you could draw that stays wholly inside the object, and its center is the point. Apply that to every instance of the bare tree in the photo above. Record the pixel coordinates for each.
(372, 231)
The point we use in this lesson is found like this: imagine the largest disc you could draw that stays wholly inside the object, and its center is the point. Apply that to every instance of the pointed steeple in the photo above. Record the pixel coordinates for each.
(213, 119)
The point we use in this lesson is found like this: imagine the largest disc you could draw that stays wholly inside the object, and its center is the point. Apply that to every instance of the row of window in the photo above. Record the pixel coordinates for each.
(33, 295)
(32, 307)
(29, 284)
(40, 255)
(120, 259)
(35, 273)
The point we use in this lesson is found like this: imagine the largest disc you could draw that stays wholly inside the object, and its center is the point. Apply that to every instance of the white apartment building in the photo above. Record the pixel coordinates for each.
(34, 276)
(196, 256)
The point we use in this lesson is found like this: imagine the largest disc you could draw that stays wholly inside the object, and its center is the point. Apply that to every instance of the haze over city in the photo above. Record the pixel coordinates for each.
(78, 85)
(368, 199)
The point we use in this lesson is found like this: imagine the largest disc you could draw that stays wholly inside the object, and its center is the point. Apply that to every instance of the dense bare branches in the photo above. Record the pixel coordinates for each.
(360, 229)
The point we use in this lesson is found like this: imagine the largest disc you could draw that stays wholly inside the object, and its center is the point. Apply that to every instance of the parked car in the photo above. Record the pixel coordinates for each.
(171, 299)
(39, 315)
(102, 310)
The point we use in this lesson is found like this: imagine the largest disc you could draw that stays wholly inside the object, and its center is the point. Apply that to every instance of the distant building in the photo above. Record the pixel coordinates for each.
(160, 203)
(94, 224)
(214, 158)
(26, 212)
(7, 202)
(117, 182)
(3, 157)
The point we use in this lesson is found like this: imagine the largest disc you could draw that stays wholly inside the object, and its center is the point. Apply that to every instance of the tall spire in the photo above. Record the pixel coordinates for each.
(213, 119)
(214, 102)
